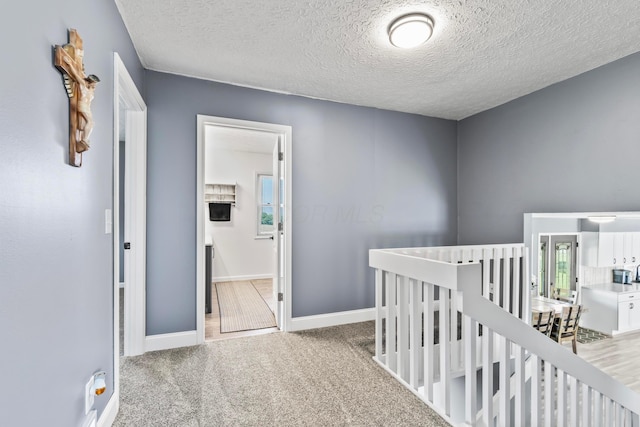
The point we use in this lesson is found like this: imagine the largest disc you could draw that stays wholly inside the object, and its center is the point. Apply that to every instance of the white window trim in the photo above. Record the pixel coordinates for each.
(259, 205)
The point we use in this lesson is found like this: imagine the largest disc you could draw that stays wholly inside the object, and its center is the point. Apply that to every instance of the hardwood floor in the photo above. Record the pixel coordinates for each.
(619, 357)
(212, 320)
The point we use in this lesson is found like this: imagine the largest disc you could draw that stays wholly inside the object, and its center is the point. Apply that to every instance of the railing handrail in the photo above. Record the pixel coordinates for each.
(518, 332)
(461, 271)
(442, 273)
(448, 248)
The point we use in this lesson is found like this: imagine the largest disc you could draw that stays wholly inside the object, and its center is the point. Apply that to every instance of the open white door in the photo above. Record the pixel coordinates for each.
(277, 235)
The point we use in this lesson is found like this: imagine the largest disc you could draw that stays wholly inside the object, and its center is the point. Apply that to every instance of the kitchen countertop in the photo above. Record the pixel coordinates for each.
(614, 287)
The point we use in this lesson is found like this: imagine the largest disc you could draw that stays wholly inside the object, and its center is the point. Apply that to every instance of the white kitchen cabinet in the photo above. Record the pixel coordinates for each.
(611, 249)
(629, 312)
(632, 248)
(611, 308)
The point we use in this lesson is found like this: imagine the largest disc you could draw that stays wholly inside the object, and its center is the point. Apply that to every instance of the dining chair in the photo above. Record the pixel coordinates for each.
(567, 295)
(542, 321)
(566, 327)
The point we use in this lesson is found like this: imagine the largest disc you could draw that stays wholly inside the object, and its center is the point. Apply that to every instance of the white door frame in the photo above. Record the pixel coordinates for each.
(285, 133)
(135, 223)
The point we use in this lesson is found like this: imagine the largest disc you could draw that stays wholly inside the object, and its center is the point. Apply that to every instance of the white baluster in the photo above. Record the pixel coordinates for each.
(486, 271)
(379, 312)
(549, 395)
(574, 402)
(497, 256)
(428, 327)
(562, 397)
(445, 349)
(487, 376)
(536, 395)
(586, 405)
(390, 283)
(597, 408)
(619, 415)
(471, 372)
(403, 328)
(517, 283)
(506, 283)
(415, 342)
(505, 382)
(456, 349)
(520, 386)
(608, 412)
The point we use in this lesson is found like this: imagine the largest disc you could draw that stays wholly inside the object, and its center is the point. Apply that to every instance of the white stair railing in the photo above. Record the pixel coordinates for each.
(495, 370)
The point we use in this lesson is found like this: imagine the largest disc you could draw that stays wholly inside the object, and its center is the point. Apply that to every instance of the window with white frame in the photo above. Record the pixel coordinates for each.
(264, 187)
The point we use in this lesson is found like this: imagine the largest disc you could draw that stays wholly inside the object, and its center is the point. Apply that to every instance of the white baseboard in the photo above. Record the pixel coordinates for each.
(167, 341)
(331, 319)
(249, 277)
(110, 412)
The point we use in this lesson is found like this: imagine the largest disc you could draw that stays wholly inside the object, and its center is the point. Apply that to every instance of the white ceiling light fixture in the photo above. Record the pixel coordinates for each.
(411, 30)
(602, 219)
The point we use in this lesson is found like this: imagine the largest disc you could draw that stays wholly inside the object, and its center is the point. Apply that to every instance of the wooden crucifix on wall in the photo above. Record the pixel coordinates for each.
(80, 89)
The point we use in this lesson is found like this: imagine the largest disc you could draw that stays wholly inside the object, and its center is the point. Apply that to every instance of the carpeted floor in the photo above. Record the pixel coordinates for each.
(323, 377)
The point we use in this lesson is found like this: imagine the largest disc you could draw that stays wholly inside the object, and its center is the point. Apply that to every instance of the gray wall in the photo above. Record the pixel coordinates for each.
(362, 178)
(56, 263)
(571, 147)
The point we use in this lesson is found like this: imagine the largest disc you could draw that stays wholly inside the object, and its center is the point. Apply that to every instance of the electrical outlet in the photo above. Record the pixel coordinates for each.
(89, 396)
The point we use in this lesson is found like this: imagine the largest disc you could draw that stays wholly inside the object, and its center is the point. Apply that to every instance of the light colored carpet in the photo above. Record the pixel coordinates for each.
(242, 308)
(322, 377)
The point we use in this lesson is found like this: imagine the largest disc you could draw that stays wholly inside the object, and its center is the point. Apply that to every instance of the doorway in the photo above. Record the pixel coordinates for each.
(557, 264)
(244, 227)
(129, 215)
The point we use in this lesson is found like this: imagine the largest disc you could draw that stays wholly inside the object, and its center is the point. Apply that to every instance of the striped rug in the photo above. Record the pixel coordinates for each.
(242, 308)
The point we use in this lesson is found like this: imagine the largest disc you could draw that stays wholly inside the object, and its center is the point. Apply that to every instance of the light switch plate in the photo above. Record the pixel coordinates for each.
(108, 222)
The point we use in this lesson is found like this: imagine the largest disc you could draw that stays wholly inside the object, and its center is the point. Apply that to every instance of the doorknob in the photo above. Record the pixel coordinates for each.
(127, 245)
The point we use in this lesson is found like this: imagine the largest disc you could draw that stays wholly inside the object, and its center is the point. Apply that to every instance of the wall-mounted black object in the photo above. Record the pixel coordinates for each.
(220, 211)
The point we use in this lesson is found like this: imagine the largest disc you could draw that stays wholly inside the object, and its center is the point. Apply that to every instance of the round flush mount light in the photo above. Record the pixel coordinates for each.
(410, 31)
(602, 219)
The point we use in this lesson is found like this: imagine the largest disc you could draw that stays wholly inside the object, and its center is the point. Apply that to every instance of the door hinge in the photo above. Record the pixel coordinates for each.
(280, 228)
(280, 297)
(281, 156)
(127, 245)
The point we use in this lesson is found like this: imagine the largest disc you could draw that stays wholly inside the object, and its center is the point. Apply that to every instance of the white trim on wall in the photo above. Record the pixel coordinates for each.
(167, 341)
(136, 121)
(110, 412)
(332, 319)
(248, 277)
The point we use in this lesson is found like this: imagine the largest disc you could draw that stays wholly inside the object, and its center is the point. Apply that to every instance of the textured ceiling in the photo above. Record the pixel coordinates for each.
(483, 53)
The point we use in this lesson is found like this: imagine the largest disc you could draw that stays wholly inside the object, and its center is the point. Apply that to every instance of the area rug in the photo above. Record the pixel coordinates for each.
(589, 335)
(242, 308)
